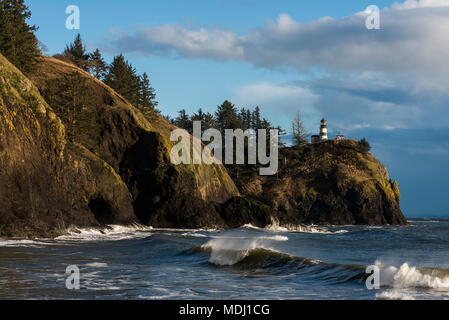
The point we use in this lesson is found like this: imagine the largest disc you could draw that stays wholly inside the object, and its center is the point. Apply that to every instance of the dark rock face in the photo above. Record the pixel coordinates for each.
(328, 183)
(137, 149)
(239, 211)
(46, 183)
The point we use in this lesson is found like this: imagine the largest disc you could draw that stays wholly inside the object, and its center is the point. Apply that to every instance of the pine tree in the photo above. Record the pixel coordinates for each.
(248, 118)
(207, 119)
(69, 103)
(18, 42)
(243, 118)
(97, 65)
(299, 133)
(265, 124)
(183, 121)
(76, 52)
(256, 121)
(226, 116)
(123, 79)
(147, 103)
(282, 133)
(364, 146)
(199, 116)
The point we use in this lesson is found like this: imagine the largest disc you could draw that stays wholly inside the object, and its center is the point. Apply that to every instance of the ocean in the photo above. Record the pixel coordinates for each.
(245, 263)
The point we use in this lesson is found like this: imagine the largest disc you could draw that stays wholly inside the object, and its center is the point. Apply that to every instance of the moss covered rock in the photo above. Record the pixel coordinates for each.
(328, 183)
(137, 148)
(48, 184)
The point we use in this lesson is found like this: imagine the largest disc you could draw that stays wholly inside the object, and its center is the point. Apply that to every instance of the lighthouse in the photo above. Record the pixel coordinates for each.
(323, 130)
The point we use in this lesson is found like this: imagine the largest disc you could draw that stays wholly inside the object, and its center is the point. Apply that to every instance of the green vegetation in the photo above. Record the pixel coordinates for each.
(17, 40)
(123, 78)
(76, 52)
(98, 66)
(69, 100)
(227, 116)
(120, 75)
(364, 146)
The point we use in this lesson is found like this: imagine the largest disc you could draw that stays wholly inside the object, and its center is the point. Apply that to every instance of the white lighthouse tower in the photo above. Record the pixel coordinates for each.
(323, 130)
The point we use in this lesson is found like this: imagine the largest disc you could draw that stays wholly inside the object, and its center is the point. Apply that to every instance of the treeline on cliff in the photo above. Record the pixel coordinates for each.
(19, 44)
(120, 75)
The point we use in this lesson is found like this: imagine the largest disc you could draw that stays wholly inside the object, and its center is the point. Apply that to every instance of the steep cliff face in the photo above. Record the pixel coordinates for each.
(46, 183)
(328, 183)
(138, 148)
(115, 169)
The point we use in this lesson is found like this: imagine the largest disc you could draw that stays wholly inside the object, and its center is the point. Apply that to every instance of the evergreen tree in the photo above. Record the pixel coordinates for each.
(123, 79)
(97, 65)
(147, 103)
(199, 116)
(255, 119)
(207, 120)
(226, 117)
(299, 133)
(183, 121)
(244, 119)
(265, 124)
(70, 102)
(18, 42)
(76, 52)
(248, 118)
(282, 133)
(364, 146)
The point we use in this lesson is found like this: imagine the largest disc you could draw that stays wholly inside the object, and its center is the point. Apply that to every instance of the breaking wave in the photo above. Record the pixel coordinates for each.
(24, 243)
(409, 283)
(226, 251)
(274, 227)
(109, 233)
(407, 276)
(259, 254)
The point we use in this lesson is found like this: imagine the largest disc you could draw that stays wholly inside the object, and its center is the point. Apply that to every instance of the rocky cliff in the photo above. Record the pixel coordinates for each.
(333, 182)
(46, 183)
(114, 168)
(137, 148)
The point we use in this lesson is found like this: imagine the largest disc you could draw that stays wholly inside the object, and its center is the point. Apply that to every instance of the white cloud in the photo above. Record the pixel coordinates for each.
(168, 39)
(387, 79)
(409, 41)
(415, 4)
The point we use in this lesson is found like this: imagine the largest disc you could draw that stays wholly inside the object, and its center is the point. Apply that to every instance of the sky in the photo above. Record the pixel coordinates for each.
(389, 85)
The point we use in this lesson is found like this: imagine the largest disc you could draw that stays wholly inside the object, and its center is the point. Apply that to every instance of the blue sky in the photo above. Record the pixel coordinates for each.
(388, 85)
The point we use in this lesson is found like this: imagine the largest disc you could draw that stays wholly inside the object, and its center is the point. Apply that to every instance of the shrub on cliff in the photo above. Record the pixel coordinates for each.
(364, 146)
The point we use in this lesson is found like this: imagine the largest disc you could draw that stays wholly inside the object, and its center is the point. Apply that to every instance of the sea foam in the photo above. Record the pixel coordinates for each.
(109, 233)
(410, 277)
